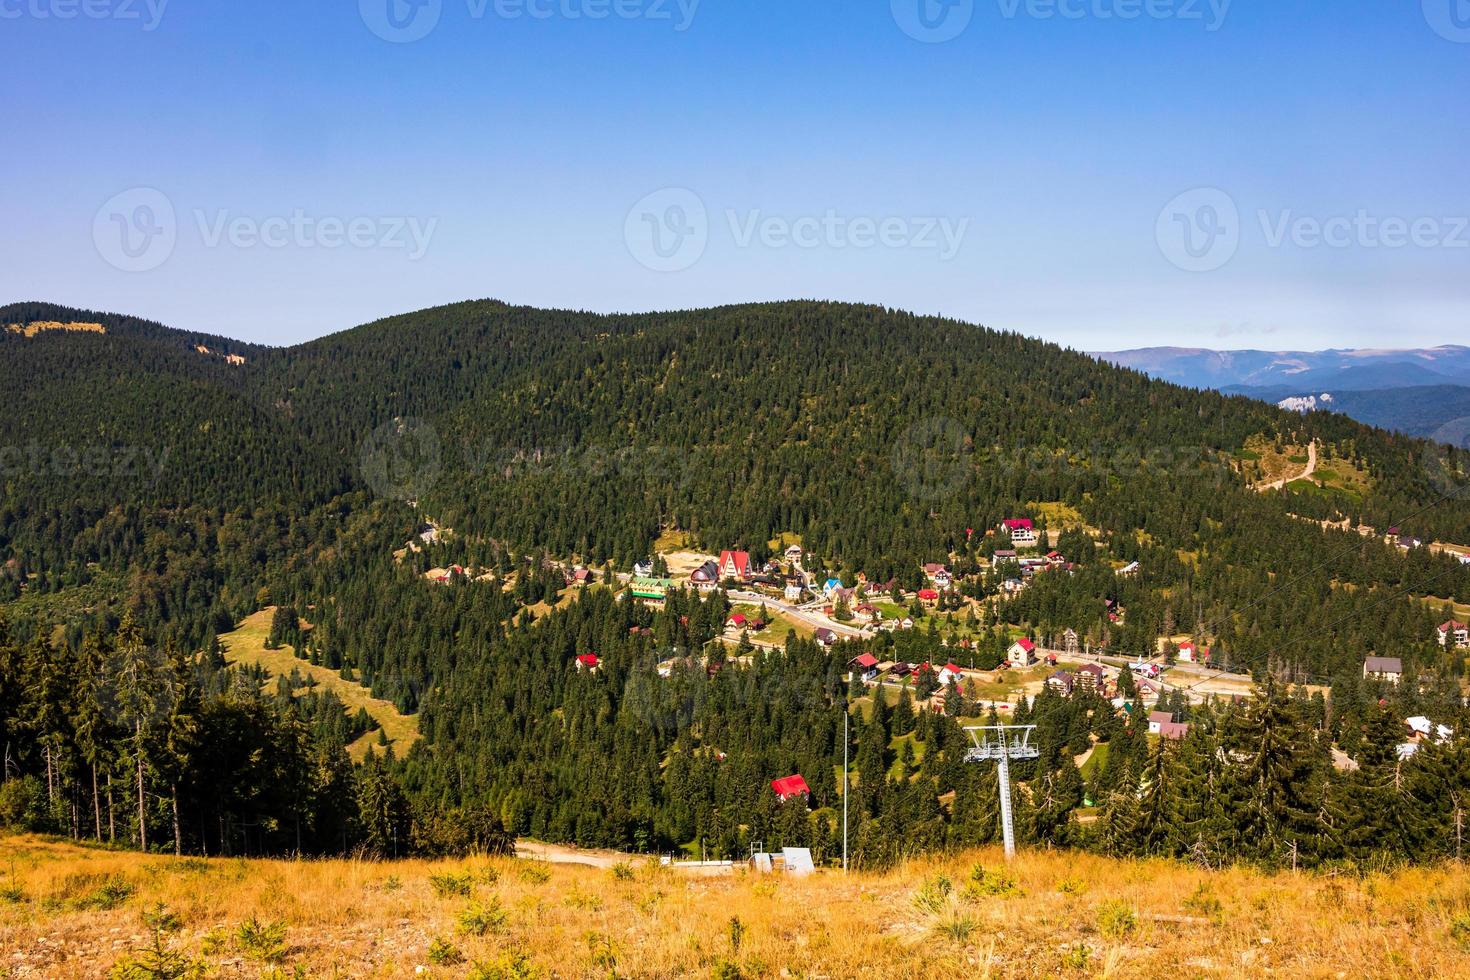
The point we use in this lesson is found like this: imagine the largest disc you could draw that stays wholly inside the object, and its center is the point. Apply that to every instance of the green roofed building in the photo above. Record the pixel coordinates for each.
(654, 589)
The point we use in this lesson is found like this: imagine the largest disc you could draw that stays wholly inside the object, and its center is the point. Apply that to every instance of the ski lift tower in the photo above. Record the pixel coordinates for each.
(1001, 744)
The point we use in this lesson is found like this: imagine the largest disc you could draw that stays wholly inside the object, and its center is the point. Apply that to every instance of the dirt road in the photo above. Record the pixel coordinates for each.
(1304, 475)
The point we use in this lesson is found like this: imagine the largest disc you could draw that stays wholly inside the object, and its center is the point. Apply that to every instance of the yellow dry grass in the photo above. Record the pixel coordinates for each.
(1068, 915)
(39, 326)
(247, 645)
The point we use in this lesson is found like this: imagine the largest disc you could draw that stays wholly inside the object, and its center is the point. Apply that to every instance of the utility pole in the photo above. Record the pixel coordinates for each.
(846, 779)
(1001, 744)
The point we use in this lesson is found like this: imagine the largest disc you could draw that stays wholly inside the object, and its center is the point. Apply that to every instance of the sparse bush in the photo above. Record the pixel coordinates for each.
(264, 941)
(444, 953)
(156, 962)
(108, 894)
(478, 918)
(1202, 902)
(934, 896)
(956, 927)
(160, 918)
(513, 965)
(1071, 886)
(453, 884)
(535, 874)
(1116, 918)
(1460, 929)
(622, 871)
(392, 883)
(985, 883)
(1077, 958)
(11, 894)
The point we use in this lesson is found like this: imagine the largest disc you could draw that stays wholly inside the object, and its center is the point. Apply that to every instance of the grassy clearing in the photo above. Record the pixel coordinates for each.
(247, 645)
(1047, 914)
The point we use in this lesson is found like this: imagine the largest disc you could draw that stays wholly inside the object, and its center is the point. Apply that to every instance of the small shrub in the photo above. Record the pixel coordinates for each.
(1202, 902)
(1077, 958)
(726, 969)
(489, 875)
(214, 941)
(264, 941)
(1071, 886)
(106, 896)
(736, 930)
(513, 965)
(453, 884)
(934, 896)
(478, 918)
(985, 883)
(392, 883)
(535, 874)
(956, 927)
(1116, 918)
(1460, 929)
(622, 871)
(11, 895)
(444, 953)
(155, 962)
(160, 918)
(578, 899)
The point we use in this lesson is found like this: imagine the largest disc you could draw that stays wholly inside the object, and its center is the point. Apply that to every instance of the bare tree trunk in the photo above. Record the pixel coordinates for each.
(142, 809)
(178, 833)
(50, 781)
(96, 805)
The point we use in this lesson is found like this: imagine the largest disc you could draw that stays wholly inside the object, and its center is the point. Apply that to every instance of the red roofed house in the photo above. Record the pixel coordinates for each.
(737, 621)
(789, 787)
(950, 673)
(1454, 633)
(736, 565)
(1022, 653)
(587, 661)
(1021, 530)
(928, 595)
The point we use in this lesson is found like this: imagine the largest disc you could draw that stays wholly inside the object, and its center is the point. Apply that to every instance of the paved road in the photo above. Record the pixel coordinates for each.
(813, 619)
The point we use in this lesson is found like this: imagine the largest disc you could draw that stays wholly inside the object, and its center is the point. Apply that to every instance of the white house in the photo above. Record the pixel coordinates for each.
(948, 673)
(1454, 634)
(1021, 530)
(1022, 653)
(1190, 654)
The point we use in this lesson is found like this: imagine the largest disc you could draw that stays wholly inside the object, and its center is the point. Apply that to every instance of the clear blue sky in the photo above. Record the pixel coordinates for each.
(519, 145)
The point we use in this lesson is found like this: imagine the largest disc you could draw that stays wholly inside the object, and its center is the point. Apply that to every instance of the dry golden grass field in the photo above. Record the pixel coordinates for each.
(69, 911)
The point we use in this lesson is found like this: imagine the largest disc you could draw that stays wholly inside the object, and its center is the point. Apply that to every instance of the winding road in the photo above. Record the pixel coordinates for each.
(1304, 475)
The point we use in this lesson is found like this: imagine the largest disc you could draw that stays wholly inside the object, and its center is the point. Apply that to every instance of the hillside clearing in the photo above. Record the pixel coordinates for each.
(1047, 914)
(247, 645)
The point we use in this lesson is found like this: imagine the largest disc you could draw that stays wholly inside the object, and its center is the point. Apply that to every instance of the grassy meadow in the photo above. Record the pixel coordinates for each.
(68, 911)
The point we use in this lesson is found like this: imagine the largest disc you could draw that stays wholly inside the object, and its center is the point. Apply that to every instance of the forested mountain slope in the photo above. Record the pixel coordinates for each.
(882, 439)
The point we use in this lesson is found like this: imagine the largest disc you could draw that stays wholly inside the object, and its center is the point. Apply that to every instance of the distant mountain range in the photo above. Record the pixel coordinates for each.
(1418, 392)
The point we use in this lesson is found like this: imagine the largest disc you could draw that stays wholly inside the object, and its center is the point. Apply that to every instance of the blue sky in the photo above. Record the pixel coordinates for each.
(1253, 174)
